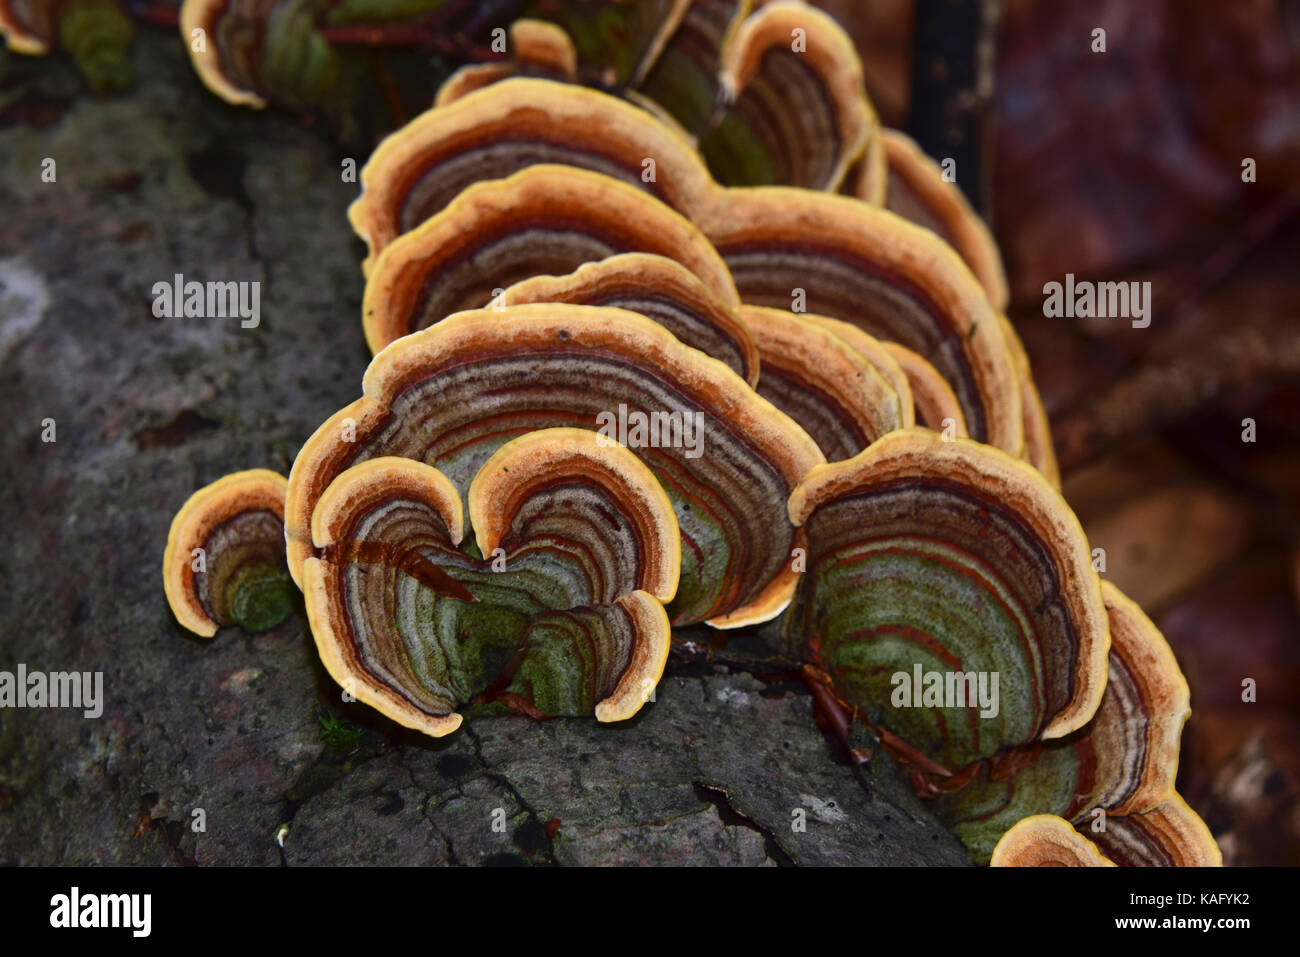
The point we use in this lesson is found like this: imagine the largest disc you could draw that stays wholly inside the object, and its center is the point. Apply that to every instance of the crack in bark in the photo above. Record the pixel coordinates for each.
(720, 800)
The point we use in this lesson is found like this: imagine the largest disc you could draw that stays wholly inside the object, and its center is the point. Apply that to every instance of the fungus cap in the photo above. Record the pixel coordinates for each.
(28, 28)
(542, 219)
(233, 530)
(659, 288)
(951, 556)
(571, 620)
(452, 393)
(918, 191)
(1045, 840)
(213, 63)
(820, 86)
(505, 127)
(895, 280)
(822, 382)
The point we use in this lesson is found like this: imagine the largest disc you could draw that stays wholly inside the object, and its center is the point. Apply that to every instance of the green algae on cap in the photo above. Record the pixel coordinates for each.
(686, 79)
(225, 557)
(616, 41)
(556, 611)
(949, 557)
(451, 394)
(1123, 761)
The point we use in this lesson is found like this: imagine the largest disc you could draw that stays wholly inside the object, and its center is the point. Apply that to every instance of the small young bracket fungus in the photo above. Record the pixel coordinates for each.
(895, 280)
(1169, 835)
(545, 219)
(29, 26)
(796, 109)
(538, 48)
(1045, 840)
(1121, 762)
(451, 394)
(933, 400)
(224, 563)
(226, 53)
(940, 557)
(822, 382)
(659, 288)
(557, 611)
(508, 126)
(917, 190)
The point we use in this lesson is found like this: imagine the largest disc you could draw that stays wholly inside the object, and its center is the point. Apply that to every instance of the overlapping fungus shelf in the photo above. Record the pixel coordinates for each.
(494, 132)
(1123, 761)
(659, 288)
(934, 402)
(948, 556)
(796, 110)
(451, 394)
(29, 26)
(1169, 835)
(822, 382)
(880, 355)
(917, 191)
(545, 219)
(895, 280)
(225, 563)
(557, 609)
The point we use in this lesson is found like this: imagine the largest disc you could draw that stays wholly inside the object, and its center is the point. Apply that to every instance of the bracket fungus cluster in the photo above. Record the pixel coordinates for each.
(705, 345)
